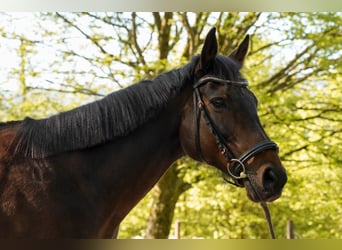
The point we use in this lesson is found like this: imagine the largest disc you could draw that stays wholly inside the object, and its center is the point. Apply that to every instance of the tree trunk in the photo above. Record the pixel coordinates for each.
(165, 196)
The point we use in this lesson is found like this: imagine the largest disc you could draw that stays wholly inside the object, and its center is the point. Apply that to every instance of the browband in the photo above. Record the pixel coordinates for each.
(205, 79)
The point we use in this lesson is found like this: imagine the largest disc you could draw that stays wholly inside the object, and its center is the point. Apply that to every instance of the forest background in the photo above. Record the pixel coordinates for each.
(51, 62)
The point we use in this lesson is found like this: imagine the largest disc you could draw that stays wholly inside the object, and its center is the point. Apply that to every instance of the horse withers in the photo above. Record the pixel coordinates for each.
(77, 174)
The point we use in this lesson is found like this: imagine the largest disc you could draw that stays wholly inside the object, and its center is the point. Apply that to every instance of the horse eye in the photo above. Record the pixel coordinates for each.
(218, 102)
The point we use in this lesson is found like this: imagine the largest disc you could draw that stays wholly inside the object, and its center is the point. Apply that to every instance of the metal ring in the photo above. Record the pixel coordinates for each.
(243, 173)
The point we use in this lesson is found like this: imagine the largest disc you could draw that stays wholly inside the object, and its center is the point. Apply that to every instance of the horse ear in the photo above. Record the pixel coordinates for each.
(209, 50)
(240, 53)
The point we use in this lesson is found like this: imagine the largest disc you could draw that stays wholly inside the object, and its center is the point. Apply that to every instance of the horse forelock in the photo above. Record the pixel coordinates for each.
(114, 116)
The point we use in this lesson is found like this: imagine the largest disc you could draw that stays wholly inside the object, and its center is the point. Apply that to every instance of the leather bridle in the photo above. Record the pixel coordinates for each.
(236, 167)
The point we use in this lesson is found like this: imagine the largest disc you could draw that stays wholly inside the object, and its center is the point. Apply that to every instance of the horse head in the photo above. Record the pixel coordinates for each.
(220, 124)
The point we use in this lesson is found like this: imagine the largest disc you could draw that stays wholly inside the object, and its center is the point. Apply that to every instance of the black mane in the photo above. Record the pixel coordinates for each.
(116, 115)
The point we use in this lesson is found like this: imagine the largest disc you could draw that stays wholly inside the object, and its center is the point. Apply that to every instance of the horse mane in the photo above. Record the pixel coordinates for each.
(107, 119)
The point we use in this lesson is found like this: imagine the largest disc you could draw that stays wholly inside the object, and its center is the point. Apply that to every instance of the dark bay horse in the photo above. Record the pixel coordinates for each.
(77, 174)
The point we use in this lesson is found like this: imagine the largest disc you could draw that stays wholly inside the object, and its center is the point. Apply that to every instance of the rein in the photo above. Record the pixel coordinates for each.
(268, 218)
(236, 167)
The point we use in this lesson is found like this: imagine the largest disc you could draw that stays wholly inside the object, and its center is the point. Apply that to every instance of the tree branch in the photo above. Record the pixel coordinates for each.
(94, 41)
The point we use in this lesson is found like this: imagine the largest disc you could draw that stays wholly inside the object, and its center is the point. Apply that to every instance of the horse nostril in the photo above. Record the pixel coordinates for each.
(269, 179)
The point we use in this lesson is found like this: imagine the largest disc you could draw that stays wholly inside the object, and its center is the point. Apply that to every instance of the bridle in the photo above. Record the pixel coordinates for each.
(236, 167)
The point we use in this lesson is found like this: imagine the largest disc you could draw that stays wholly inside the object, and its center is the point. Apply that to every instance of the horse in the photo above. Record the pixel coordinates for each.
(78, 173)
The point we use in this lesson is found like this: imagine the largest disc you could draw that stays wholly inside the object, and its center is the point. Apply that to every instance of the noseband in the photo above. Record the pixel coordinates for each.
(236, 167)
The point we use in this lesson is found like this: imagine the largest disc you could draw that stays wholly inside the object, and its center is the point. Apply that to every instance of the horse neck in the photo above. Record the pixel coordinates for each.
(154, 151)
(124, 170)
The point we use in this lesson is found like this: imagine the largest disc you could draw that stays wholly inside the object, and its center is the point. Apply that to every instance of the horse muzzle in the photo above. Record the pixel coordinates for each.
(266, 184)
